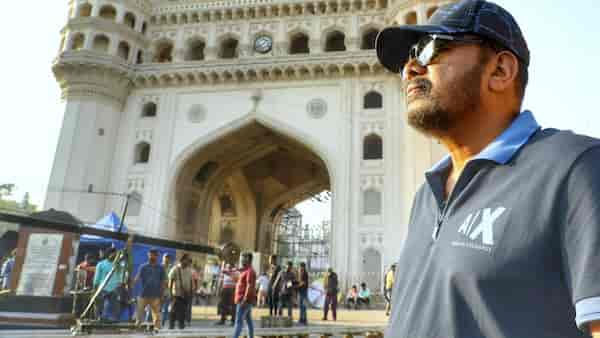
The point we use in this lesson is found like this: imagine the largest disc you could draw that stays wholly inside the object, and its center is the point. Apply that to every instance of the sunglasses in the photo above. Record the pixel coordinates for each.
(430, 46)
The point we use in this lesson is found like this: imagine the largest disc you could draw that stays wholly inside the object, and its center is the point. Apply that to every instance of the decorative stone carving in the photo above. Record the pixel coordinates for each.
(316, 108)
(197, 113)
(374, 127)
(371, 182)
(144, 135)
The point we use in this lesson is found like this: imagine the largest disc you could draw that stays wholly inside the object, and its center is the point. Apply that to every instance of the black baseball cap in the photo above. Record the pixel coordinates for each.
(477, 17)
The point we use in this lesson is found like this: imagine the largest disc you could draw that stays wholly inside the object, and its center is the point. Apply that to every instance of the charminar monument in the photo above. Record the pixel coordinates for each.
(217, 116)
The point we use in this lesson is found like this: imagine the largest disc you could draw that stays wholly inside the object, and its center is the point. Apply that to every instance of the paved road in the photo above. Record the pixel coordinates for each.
(205, 317)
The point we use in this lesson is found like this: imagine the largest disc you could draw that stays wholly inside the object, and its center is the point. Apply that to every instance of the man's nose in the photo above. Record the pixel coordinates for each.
(412, 69)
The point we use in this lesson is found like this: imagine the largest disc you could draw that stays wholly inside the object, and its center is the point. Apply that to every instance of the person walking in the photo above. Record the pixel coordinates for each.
(166, 300)
(152, 280)
(286, 289)
(226, 306)
(302, 293)
(180, 286)
(245, 297)
(330, 285)
(263, 289)
(503, 238)
(273, 294)
(111, 293)
(389, 284)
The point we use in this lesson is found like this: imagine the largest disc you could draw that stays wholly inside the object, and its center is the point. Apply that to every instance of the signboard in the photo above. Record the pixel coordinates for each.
(40, 265)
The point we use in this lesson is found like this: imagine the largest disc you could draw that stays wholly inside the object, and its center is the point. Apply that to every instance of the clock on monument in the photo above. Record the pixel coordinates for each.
(263, 44)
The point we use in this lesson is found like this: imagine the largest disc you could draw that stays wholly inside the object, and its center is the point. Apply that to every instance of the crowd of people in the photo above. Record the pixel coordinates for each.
(168, 290)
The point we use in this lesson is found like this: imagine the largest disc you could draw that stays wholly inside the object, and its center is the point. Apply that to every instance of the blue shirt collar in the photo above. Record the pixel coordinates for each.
(505, 146)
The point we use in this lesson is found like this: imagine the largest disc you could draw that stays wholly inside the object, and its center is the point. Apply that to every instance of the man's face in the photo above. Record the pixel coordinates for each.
(152, 257)
(444, 92)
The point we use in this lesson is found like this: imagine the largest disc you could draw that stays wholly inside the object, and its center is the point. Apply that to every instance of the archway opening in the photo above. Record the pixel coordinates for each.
(241, 187)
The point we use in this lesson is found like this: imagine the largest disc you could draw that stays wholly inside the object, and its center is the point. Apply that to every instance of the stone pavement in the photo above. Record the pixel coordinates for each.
(365, 323)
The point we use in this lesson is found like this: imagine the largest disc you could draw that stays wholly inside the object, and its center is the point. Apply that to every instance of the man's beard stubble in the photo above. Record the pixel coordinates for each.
(439, 115)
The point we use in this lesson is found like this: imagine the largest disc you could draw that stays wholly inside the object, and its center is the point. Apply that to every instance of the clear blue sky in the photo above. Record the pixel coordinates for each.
(562, 35)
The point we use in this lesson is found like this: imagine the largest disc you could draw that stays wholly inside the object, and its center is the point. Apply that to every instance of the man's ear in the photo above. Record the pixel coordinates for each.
(505, 71)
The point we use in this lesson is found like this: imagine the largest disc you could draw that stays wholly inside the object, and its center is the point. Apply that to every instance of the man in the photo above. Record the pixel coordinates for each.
(245, 296)
(226, 306)
(166, 301)
(387, 292)
(110, 294)
(7, 269)
(287, 282)
(88, 267)
(302, 293)
(330, 284)
(273, 296)
(364, 295)
(504, 236)
(152, 279)
(180, 286)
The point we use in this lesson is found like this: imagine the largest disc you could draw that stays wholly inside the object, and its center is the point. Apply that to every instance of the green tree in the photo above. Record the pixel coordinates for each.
(6, 189)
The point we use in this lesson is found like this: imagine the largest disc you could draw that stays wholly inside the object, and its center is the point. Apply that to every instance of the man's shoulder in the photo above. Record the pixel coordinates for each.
(560, 144)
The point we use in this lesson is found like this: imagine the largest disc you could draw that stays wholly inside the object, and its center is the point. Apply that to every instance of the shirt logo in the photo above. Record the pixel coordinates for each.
(478, 228)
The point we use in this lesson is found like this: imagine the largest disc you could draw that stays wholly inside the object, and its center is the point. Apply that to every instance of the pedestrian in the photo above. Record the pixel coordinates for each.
(180, 286)
(287, 283)
(503, 238)
(166, 301)
(273, 294)
(263, 289)
(226, 306)
(302, 293)
(195, 287)
(364, 295)
(88, 266)
(110, 295)
(389, 284)
(7, 269)
(330, 285)
(152, 279)
(245, 297)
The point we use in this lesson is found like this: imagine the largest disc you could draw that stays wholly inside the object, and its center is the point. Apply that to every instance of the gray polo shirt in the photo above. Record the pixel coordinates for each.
(514, 252)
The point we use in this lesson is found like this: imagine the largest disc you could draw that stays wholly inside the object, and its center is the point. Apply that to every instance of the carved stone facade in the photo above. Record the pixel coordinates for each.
(173, 101)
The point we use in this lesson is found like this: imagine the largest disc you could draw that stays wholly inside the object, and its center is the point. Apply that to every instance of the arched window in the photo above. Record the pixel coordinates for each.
(129, 20)
(368, 39)
(372, 202)
(431, 11)
(195, 50)
(108, 12)
(299, 44)
(335, 42)
(142, 152)
(123, 50)
(164, 52)
(101, 43)
(135, 204)
(373, 100)
(140, 57)
(77, 41)
(229, 49)
(372, 147)
(410, 18)
(149, 109)
(84, 11)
